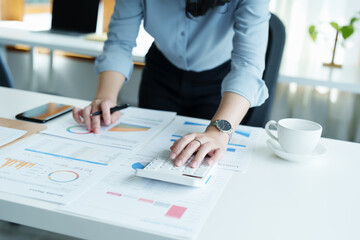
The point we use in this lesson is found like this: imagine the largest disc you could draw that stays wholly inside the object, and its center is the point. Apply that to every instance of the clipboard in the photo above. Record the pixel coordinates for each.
(30, 128)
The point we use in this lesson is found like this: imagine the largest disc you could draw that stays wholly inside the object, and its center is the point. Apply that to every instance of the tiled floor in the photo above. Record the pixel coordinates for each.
(17, 232)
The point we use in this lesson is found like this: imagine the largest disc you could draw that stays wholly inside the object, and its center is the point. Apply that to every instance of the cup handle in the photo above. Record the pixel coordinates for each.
(267, 126)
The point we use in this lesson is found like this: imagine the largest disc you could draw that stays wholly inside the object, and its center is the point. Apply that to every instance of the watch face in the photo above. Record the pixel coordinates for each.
(223, 125)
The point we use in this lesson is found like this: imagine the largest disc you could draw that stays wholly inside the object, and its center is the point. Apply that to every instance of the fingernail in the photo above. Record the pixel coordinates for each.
(179, 162)
(211, 162)
(172, 155)
(193, 165)
(96, 130)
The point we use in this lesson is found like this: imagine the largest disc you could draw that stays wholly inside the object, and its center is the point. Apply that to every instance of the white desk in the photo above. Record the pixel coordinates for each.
(75, 44)
(274, 200)
(313, 73)
(9, 35)
(12, 34)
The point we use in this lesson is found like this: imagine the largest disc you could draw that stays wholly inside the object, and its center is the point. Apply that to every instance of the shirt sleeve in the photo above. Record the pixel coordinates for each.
(248, 55)
(123, 31)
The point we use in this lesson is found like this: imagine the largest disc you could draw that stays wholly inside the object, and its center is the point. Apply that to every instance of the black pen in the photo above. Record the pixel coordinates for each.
(113, 109)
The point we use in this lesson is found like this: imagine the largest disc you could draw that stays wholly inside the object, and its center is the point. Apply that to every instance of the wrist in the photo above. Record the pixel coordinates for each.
(213, 131)
(222, 126)
(105, 98)
(109, 85)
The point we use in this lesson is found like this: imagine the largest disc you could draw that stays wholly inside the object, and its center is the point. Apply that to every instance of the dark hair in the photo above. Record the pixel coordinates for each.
(200, 7)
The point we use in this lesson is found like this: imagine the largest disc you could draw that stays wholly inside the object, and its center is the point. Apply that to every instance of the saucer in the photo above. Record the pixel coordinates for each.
(319, 151)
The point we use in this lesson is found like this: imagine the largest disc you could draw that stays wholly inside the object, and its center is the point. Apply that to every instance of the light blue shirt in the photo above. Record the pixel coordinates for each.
(237, 31)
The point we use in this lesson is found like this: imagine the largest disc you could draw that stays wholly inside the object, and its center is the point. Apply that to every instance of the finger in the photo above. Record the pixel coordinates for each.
(175, 143)
(180, 144)
(216, 156)
(76, 114)
(212, 152)
(95, 124)
(185, 154)
(115, 116)
(86, 116)
(200, 155)
(106, 115)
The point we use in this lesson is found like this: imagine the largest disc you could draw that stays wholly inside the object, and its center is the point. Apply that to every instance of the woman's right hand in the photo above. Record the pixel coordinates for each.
(93, 123)
(109, 84)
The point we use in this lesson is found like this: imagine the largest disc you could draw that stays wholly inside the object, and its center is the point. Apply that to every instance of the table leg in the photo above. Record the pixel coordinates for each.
(51, 80)
(32, 72)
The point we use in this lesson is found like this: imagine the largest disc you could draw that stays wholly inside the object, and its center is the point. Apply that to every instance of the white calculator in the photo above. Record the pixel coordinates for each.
(164, 169)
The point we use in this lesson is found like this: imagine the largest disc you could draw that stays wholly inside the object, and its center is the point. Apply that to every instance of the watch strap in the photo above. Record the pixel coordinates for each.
(215, 123)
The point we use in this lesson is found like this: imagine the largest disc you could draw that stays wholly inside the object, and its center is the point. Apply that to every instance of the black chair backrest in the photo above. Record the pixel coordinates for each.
(258, 116)
(5, 76)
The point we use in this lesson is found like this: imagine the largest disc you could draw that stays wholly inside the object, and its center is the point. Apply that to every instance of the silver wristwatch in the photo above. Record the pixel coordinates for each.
(223, 126)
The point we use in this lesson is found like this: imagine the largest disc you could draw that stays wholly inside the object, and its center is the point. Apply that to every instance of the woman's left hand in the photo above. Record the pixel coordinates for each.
(212, 143)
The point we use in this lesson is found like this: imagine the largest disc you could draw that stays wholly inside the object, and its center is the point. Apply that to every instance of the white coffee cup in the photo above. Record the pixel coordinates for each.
(297, 136)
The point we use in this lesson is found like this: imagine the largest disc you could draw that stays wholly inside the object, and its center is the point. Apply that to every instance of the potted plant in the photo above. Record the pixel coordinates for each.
(346, 31)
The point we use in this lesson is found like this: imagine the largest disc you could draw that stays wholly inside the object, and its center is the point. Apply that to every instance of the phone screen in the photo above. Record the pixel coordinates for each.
(44, 112)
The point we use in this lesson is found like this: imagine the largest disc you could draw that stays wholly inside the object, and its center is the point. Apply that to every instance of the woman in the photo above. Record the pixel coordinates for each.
(207, 61)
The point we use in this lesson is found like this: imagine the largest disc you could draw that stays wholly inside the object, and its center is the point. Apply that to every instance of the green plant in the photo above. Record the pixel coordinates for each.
(346, 31)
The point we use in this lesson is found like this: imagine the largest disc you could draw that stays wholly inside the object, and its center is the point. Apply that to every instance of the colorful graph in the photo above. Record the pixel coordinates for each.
(63, 176)
(78, 130)
(172, 211)
(139, 165)
(17, 164)
(126, 127)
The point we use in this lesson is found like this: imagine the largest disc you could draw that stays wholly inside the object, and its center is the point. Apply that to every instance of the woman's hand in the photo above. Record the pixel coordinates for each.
(93, 123)
(212, 143)
(109, 84)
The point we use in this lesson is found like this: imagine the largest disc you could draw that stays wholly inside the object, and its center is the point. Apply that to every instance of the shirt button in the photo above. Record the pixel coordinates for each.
(182, 33)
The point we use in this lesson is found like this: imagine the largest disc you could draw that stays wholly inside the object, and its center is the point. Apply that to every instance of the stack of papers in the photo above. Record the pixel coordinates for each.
(94, 174)
(7, 135)
(55, 169)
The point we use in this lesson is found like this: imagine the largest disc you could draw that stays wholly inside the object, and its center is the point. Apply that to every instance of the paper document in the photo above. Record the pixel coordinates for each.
(54, 169)
(162, 208)
(7, 135)
(135, 127)
(166, 209)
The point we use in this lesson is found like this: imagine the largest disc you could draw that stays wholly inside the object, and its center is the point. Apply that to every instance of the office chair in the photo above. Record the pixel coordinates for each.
(5, 76)
(258, 116)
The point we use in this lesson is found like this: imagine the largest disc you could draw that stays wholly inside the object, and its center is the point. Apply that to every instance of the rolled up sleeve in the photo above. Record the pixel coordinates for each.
(248, 56)
(123, 31)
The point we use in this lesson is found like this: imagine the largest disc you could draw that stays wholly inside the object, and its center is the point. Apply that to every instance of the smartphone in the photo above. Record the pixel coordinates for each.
(44, 113)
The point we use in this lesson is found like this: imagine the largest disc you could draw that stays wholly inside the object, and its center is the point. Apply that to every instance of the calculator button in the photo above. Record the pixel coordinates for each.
(189, 171)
